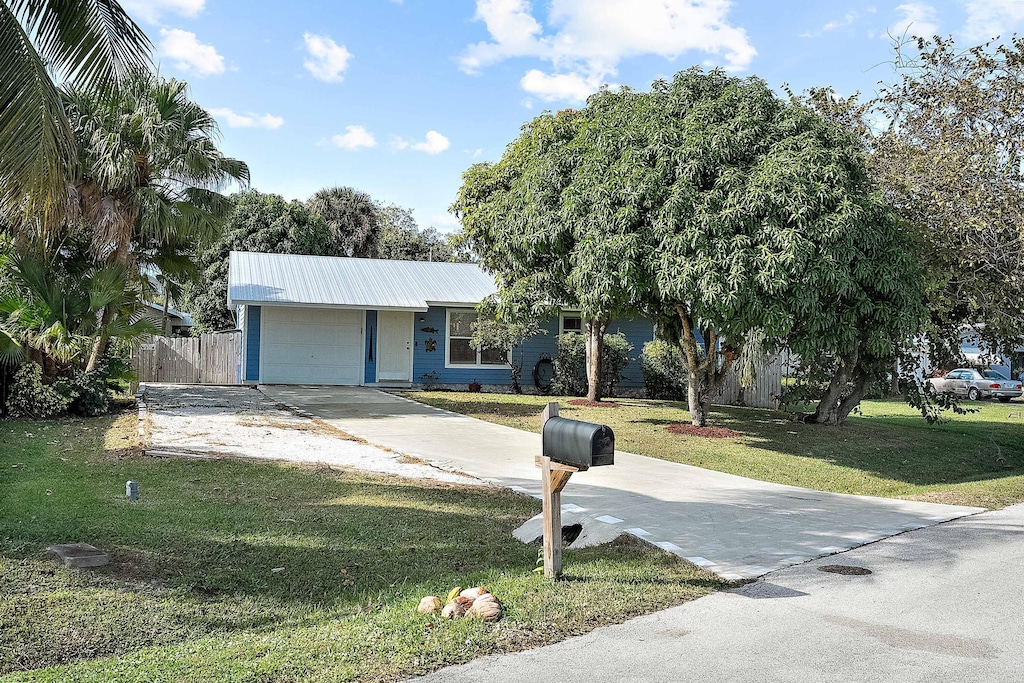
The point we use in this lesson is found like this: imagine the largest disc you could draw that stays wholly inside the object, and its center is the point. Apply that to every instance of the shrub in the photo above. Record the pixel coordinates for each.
(29, 397)
(664, 370)
(570, 377)
(570, 364)
(88, 392)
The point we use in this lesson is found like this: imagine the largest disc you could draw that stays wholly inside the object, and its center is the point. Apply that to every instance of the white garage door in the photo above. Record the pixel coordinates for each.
(311, 346)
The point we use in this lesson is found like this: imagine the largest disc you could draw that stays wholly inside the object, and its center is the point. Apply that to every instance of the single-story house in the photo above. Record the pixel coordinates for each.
(178, 324)
(353, 321)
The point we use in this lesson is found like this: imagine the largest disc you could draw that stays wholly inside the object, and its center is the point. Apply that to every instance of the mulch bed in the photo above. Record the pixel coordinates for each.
(593, 404)
(709, 432)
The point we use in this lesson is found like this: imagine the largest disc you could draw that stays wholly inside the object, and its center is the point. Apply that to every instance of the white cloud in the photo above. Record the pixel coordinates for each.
(847, 19)
(987, 19)
(551, 87)
(435, 143)
(152, 10)
(919, 19)
(327, 60)
(250, 120)
(354, 138)
(189, 54)
(585, 40)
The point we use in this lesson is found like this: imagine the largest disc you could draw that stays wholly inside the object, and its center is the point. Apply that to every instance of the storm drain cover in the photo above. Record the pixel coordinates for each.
(845, 569)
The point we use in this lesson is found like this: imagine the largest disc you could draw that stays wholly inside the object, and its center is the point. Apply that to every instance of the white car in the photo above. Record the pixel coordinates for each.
(976, 384)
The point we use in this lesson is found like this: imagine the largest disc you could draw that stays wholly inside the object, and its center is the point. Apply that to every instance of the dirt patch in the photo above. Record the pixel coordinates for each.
(707, 432)
(593, 404)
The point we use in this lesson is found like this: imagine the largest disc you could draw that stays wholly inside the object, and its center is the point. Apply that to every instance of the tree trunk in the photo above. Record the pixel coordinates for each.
(705, 373)
(595, 344)
(99, 347)
(830, 409)
(699, 397)
(167, 317)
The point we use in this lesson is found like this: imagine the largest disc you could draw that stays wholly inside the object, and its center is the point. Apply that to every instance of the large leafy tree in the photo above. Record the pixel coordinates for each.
(149, 171)
(258, 222)
(85, 43)
(402, 239)
(950, 160)
(764, 223)
(539, 220)
(718, 209)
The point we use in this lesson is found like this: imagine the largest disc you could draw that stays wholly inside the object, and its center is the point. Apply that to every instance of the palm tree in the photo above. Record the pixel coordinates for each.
(54, 306)
(354, 219)
(149, 171)
(85, 43)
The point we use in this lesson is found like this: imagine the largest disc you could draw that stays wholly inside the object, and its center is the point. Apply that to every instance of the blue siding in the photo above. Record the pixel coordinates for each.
(638, 332)
(370, 367)
(424, 362)
(252, 343)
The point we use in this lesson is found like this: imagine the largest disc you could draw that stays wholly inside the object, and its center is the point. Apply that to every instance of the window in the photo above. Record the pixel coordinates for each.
(460, 348)
(571, 322)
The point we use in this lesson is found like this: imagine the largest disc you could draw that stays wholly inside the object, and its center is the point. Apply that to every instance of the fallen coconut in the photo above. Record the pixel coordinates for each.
(429, 604)
(486, 607)
(474, 593)
(456, 608)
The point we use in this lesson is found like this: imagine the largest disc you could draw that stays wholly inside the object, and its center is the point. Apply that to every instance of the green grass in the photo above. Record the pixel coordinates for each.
(889, 450)
(191, 593)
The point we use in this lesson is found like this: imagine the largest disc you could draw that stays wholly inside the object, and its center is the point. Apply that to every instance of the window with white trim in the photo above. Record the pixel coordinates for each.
(460, 349)
(571, 322)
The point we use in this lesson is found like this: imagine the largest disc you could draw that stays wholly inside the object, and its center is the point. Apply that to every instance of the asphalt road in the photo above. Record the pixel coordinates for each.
(943, 603)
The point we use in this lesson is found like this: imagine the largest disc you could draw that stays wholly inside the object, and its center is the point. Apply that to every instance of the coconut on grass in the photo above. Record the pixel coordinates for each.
(477, 602)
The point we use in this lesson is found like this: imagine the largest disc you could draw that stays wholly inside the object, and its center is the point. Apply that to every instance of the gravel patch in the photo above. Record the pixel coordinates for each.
(242, 422)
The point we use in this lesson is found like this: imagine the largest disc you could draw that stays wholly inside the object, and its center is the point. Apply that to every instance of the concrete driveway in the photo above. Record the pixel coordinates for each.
(734, 526)
(941, 604)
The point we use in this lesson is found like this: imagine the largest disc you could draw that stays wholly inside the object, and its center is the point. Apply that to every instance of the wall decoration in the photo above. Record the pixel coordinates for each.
(429, 330)
(431, 345)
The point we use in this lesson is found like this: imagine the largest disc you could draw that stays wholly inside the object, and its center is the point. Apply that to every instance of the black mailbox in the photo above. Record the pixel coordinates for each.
(580, 444)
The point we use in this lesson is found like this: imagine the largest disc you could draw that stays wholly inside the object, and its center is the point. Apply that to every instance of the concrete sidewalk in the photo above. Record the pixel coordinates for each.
(942, 604)
(734, 526)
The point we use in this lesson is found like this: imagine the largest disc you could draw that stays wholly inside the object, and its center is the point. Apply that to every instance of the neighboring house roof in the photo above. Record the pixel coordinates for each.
(339, 282)
(186, 319)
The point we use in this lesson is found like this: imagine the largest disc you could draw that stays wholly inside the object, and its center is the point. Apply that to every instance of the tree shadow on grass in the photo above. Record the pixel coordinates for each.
(223, 546)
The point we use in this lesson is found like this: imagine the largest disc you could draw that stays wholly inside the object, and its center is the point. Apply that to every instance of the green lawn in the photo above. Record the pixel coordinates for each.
(975, 459)
(191, 593)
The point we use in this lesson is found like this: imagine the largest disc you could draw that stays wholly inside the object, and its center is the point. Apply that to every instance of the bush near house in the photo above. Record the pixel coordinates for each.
(570, 364)
(664, 370)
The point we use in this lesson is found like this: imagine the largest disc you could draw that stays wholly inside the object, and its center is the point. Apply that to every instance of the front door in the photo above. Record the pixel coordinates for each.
(394, 346)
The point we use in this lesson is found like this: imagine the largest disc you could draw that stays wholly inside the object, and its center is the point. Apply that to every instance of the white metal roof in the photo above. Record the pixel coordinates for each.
(329, 281)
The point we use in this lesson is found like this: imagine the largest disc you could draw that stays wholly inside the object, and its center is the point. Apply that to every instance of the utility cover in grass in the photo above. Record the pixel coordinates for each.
(78, 555)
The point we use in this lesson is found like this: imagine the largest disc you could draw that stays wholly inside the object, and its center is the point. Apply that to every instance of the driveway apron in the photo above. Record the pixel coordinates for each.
(736, 527)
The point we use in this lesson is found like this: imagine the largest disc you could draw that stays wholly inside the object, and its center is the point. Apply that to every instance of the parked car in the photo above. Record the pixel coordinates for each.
(975, 384)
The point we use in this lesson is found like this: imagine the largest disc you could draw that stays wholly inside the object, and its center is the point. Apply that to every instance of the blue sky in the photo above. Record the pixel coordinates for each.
(399, 97)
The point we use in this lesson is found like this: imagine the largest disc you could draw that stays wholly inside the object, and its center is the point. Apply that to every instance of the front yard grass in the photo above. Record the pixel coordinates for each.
(889, 450)
(235, 571)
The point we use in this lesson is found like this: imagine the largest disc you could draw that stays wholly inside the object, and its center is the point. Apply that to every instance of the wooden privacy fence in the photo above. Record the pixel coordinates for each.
(207, 359)
(765, 392)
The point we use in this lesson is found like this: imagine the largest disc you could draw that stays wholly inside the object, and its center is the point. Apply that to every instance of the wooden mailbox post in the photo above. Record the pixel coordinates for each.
(568, 446)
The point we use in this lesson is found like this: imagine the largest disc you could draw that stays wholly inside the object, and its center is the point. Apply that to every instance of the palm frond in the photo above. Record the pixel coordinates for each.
(91, 43)
(36, 149)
